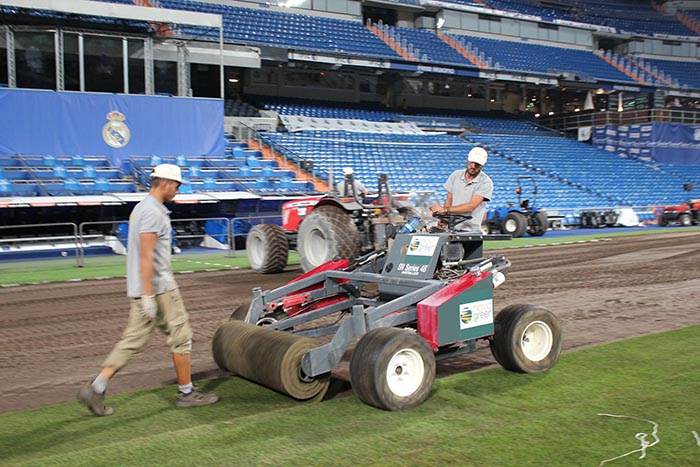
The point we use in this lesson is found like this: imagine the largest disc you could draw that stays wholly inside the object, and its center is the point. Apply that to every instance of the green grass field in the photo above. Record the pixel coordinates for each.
(488, 417)
(56, 270)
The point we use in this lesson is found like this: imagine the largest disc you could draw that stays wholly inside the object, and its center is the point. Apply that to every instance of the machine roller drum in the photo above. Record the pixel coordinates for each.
(267, 357)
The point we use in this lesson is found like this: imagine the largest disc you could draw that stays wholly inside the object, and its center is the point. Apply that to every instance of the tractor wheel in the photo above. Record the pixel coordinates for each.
(327, 233)
(392, 369)
(685, 220)
(540, 223)
(527, 338)
(662, 221)
(514, 224)
(268, 248)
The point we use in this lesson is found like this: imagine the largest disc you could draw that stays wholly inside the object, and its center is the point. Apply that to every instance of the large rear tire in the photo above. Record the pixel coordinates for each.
(392, 369)
(267, 247)
(327, 233)
(527, 338)
(514, 224)
(540, 223)
(685, 220)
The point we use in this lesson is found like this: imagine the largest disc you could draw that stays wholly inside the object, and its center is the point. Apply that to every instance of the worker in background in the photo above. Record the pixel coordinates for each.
(348, 175)
(468, 192)
(154, 296)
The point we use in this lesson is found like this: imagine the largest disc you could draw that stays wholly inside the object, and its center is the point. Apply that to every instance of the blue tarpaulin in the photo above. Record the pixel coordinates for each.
(118, 126)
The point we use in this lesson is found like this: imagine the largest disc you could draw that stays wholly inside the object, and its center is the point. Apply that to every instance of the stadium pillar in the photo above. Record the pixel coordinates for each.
(81, 61)
(148, 57)
(543, 97)
(11, 70)
(221, 59)
(125, 66)
(58, 49)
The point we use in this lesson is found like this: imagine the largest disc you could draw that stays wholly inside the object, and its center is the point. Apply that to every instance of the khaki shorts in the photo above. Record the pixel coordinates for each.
(172, 319)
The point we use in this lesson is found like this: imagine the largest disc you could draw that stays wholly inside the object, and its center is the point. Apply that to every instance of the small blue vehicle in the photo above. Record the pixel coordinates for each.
(514, 219)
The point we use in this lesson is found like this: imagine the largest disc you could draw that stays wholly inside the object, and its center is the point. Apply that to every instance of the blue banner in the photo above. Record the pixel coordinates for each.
(118, 126)
(675, 143)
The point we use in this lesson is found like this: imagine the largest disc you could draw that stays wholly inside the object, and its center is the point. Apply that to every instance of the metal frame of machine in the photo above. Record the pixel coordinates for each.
(434, 291)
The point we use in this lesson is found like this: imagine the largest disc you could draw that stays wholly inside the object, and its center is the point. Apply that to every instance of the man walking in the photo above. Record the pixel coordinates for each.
(154, 295)
(468, 191)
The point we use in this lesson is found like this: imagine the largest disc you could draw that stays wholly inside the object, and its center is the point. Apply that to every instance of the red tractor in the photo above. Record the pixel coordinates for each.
(322, 228)
(685, 214)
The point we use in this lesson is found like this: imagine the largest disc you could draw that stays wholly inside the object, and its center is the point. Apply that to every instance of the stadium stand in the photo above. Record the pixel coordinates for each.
(521, 56)
(429, 46)
(240, 169)
(324, 110)
(420, 163)
(629, 16)
(238, 108)
(60, 175)
(297, 31)
(625, 181)
(623, 15)
(686, 72)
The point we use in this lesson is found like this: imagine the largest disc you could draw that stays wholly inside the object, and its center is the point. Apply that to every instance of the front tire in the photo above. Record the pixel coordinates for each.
(392, 369)
(527, 338)
(327, 233)
(685, 220)
(267, 248)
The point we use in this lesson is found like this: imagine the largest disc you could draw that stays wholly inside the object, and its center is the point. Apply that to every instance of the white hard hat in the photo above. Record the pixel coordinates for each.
(478, 155)
(167, 171)
(347, 171)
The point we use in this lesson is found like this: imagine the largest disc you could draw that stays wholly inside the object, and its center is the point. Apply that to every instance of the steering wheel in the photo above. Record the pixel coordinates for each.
(452, 219)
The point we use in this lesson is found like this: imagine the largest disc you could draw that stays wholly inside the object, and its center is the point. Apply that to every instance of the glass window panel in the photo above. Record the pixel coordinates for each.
(104, 66)
(71, 62)
(165, 77)
(35, 59)
(137, 69)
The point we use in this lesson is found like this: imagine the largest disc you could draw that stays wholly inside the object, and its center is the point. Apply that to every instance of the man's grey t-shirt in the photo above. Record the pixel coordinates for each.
(150, 215)
(462, 192)
(359, 187)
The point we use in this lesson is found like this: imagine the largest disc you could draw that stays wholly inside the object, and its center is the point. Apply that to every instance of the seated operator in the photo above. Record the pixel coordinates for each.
(359, 187)
(468, 192)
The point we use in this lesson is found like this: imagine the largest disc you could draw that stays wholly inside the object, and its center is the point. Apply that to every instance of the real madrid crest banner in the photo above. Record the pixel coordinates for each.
(118, 126)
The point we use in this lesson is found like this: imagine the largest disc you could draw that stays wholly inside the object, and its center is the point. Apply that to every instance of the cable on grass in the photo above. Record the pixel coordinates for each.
(641, 437)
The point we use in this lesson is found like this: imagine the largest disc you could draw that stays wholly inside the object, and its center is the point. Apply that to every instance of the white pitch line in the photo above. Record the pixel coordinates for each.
(697, 437)
(641, 437)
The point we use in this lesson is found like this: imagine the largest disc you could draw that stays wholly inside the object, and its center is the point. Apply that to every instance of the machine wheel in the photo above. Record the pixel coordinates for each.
(685, 220)
(514, 224)
(327, 233)
(267, 247)
(485, 229)
(540, 223)
(392, 369)
(527, 338)
(662, 221)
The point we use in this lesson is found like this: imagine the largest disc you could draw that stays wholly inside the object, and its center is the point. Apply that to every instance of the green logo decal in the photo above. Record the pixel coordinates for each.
(465, 315)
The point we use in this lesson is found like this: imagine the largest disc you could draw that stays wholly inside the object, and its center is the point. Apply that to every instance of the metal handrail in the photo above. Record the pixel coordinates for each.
(78, 243)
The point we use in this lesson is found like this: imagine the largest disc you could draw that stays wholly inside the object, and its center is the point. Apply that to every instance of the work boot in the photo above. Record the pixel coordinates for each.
(196, 398)
(94, 401)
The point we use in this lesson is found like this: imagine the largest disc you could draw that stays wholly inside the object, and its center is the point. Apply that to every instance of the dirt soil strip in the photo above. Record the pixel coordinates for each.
(53, 337)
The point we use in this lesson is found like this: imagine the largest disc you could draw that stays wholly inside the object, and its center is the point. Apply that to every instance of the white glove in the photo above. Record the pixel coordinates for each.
(149, 307)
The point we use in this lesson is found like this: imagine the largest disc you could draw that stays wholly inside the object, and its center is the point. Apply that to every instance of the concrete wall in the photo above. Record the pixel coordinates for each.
(663, 48)
(467, 23)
